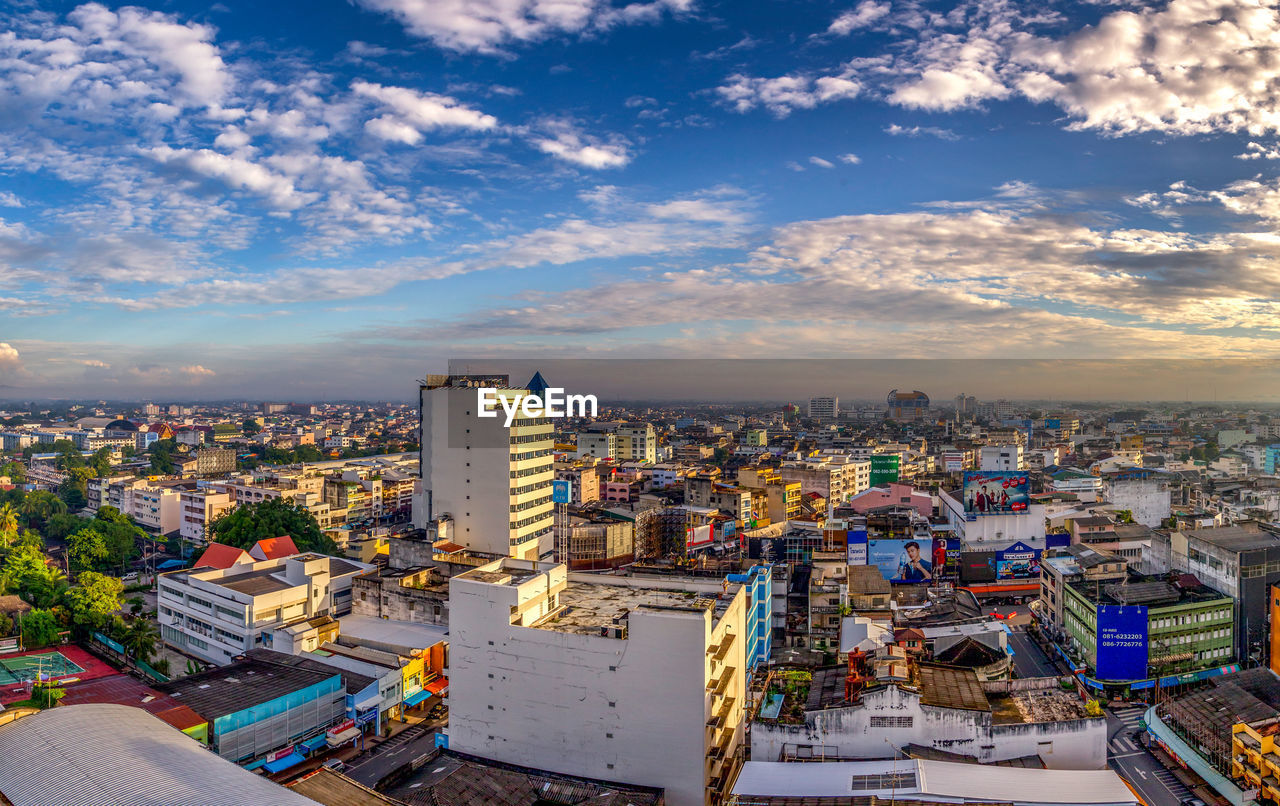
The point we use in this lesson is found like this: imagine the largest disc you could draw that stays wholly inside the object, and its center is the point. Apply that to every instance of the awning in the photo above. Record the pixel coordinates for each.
(438, 686)
(283, 763)
(344, 737)
(369, 702)
(316, 742)
(414, 699)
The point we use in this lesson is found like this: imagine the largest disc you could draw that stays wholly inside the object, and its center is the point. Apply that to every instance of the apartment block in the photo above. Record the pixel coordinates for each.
(614, 678)
(835, 478)
(1001, 458)
(218, 613)
(493, 481)
(157, 509)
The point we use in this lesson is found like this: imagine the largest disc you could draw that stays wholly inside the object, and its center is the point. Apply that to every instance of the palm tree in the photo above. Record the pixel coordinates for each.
(40, 506)
(140, 638)
(8, 523)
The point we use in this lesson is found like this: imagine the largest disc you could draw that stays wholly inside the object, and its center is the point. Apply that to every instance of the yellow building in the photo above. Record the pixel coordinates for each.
(1255, 762)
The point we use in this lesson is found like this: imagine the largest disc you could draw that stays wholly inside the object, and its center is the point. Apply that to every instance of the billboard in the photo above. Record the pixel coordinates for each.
(946, 556)
(1053, 423)
(977, 566)
(856, 543)
(1122, 642)
(996, 493)
(884, 468)
(1019, 561)
(698, 537)
(560, 491)
(767, 549)
(902, 560)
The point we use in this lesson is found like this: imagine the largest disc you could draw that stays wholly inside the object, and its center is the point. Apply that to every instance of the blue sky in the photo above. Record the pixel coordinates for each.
(329, 199)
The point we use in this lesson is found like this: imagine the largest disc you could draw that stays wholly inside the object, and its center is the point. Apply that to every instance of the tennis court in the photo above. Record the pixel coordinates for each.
(24, 668)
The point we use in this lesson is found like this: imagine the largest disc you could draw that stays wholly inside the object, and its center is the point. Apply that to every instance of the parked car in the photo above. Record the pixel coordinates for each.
(337, 765)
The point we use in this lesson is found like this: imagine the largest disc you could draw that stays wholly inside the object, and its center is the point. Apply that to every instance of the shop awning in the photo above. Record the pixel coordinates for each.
(283, 763)
(414, 699)
(344, 737)
(315, 743)
(369, 702)
(438, 686)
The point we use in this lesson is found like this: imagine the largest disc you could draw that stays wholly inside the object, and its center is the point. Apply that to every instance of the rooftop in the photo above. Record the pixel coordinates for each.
(951, 687)
(586, 608)
(259, 678)
(76, 754)
(1241, 537)
(1145, 590)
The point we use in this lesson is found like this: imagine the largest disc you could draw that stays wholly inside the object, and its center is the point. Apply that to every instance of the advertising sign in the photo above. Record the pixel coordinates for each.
(945, 556)
(698, 537)
(977, 566)
(346, 724)
(884, 468)
(1122, 642)
(561, 492)
(276, 755)
(1053, 423)
(996, 493)
(1019, 561)
(902, 561)
(856, 542)
(767, 549)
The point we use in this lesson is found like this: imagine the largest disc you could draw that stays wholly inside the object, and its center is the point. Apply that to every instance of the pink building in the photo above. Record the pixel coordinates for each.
(892, 495)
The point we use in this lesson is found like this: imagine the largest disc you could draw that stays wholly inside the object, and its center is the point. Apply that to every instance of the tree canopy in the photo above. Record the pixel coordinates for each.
(94, 599)
(274, 517)
(40, 628)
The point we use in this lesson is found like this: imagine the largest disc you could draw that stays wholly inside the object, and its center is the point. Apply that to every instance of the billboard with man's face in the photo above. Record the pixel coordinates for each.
(996, 493)
(902, 560)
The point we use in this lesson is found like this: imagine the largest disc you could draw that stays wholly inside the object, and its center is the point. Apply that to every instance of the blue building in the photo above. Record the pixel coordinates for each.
(758, 582)
(1272, 460)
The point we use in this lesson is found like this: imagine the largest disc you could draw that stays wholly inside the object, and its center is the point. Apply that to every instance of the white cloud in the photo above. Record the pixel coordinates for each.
(783, 94)
(8, 199)
(919, 131)
(580, 149)
(1257, 151)
(488, 25)
(850, 159)
(237, 173)
(9, 355)
(866, 13)
(412, 112)
(197, 371)
(821, 163)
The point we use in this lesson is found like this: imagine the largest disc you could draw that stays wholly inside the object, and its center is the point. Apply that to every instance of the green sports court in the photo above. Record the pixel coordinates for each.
(24, 668)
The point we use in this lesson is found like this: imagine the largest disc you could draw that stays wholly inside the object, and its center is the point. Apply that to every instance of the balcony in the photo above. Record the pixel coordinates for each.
(721, 716)
(718, 687)
(719, 653)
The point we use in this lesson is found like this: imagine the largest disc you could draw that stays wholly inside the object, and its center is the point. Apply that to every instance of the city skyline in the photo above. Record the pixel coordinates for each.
(218, 201)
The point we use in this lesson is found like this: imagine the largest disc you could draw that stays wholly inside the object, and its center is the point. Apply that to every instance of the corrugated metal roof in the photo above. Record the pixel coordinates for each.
(116, 755)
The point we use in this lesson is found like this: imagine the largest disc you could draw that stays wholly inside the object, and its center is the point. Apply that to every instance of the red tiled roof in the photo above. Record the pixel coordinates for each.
(273, 548)
(220, 556)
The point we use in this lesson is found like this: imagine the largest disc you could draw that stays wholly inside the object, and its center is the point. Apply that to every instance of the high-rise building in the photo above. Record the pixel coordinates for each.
(824, 408)
(493, 481)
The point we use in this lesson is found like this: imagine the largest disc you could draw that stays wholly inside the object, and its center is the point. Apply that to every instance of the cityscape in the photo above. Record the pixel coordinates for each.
(639, 403)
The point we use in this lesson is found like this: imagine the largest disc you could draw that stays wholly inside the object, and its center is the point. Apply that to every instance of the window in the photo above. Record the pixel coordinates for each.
(892, 721)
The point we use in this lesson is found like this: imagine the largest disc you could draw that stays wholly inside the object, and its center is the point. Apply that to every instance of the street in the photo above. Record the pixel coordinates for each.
(1029, 660)
(392, 754)
(1156, 784)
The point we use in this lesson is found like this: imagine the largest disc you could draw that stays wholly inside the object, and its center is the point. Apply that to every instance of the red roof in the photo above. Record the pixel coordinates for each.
(124, 690)
(273, 548)
(220, 556)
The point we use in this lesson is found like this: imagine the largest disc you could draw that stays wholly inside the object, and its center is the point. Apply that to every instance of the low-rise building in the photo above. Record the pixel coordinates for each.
(197, 509)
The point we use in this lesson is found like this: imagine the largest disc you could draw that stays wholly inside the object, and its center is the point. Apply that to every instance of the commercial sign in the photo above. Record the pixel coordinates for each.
(1052, 423)
(902, 561)
(977, 566)
(767, 549)
(1019, 561)
(344, 725)
(856, 543)
(996, 493)
(561, 491)
(884, 468)
(279, 754)
(946, 556)
(699, 537)
(1122, 642)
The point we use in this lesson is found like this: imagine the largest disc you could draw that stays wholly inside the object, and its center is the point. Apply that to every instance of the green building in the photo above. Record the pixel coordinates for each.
(1189, 626)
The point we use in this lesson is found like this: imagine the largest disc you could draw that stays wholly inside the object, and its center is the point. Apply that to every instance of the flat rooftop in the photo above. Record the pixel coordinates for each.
(1149, 591)
(586, 608)
(255, 583)
(243, 684)
(1235, 538)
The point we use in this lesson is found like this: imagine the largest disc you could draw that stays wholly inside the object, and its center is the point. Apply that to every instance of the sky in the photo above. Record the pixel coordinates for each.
(330, 199)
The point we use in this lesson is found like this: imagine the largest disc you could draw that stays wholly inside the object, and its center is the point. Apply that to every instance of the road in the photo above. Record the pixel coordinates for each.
(392, 754)
(1126, 755)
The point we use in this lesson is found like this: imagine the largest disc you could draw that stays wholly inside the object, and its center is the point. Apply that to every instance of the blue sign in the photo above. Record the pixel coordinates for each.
(856, 543)
(1053, 422)
(1122, 642)
(561, 492)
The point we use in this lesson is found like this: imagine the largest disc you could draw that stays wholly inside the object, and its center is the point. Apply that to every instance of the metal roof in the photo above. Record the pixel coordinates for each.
(117, 755)
(242, 684)
(951, 687)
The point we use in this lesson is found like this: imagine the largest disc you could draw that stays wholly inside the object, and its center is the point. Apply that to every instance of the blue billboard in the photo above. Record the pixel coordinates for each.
(561, 492)
(1019, 561)
(856, 543)
(996, 493)
(902, 560)
(1122, 642)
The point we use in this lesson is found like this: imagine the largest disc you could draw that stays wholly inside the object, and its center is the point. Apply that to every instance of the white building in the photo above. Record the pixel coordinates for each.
(157, 509)
(598, 444)
(835, 478)
(824, 408)
(1001, 458)
(637, 443)
(994, 531)
(493, 481)
(198, 509)
(1144, 494)
(216, 614)
(619, 679)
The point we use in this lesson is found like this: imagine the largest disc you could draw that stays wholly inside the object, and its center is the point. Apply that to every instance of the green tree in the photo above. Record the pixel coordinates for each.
(24, 568)
(8, 524)
(101, 462)
(69, 455)
(59, 527)
(16, 472)
(162, 456)
(250, 427)
(74, 489)
(140, 638)
(6, 625)
(86, 549)
(40, 628)
(41, 505)
(274, 517)
(94, 600)
(47, 590)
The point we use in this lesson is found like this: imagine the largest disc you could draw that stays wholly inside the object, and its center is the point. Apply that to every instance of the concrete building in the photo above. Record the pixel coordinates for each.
(1001, 458)
(1189, 626)
(1072, 564)
(584, 481)
(892, 495)
(198, 508)
(835, 478)
(907, 406)
(157, 509)
(993, 531)
(1144, 493)
(216, 614)
(215, 461)
(824, 408)
(470, 465)
(617, 679)
(900, 704)
(598, 444)
(637, 443)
